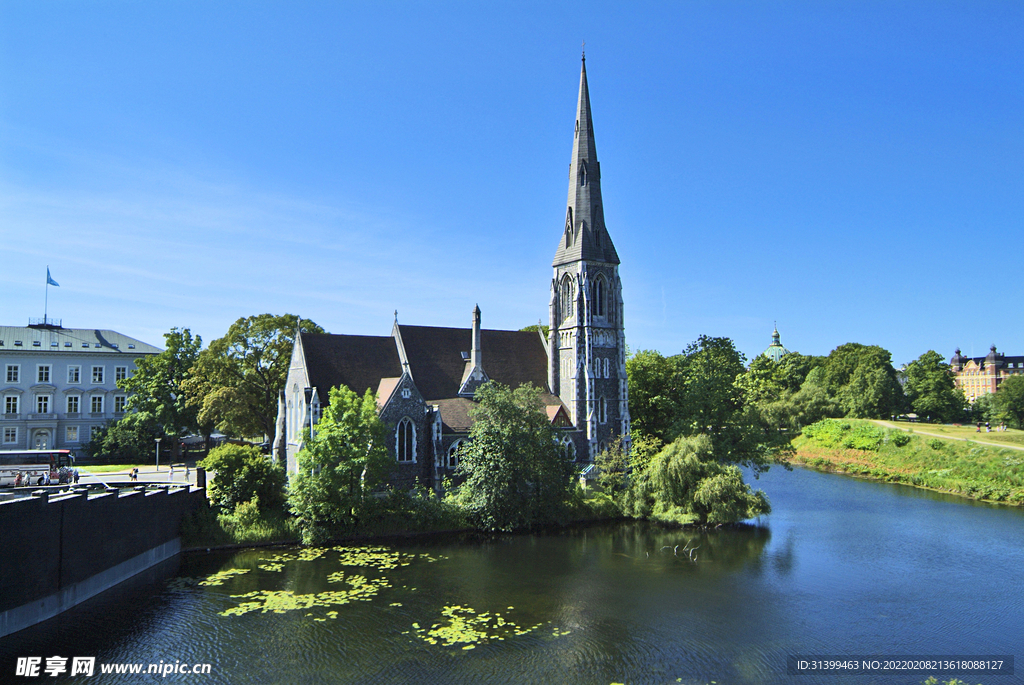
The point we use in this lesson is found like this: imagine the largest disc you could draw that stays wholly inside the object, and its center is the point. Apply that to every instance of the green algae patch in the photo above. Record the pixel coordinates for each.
(221, 576)
(465, 627)
(283, 601)
(272, 566)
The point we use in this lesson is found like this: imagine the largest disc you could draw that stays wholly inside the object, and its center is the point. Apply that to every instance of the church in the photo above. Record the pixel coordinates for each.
(425, 377)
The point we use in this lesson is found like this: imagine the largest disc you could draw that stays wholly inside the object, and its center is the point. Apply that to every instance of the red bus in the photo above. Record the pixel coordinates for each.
(33, 465)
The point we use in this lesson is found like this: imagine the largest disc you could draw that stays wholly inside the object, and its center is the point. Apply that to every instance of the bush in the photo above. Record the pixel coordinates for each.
(900, 439)
(936, 444)
(242, 474)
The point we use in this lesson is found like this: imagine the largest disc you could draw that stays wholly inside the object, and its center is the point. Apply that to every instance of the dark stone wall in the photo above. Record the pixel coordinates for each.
(46, 546)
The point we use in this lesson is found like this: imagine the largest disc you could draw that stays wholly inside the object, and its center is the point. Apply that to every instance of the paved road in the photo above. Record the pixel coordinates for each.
(147, 474)
(917, 431)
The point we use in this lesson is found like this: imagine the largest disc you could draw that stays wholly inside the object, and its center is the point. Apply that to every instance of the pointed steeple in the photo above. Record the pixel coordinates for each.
(584, 236)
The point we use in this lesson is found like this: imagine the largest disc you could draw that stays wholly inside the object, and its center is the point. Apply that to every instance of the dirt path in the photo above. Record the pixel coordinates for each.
(917, 431)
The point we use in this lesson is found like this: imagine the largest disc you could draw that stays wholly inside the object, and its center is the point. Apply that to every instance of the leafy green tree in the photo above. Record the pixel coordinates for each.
(236, 380)
(155, 389)
(534, 327)
(712, 403)
(1009, 399)
(762, 382)
(794, 368)
(516, 477)
(861, 378)
(653, 393)
(931, 390)
(242, 474)
(344, 461)
(131, 440)
(685, 483)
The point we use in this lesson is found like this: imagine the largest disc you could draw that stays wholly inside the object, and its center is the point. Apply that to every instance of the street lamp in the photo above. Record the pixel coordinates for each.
(158, 453)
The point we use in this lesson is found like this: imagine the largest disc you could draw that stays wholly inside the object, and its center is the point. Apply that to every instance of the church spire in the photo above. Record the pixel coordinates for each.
(584, 236)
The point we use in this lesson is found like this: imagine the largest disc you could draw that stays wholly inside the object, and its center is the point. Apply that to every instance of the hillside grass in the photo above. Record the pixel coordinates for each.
(967, 432)
(863, 448)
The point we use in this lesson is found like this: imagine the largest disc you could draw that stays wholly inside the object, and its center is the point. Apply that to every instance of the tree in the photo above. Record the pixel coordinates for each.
(1009, 399)
(931, 390)
(515, 474)
(243, 474)
(861, 378)
(132, 440)
(156, 386)
(236, 381)
(344, 461)
(653, 393)
(685, 483)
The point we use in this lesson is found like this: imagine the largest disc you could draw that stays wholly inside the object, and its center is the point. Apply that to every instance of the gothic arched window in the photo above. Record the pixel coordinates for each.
(600, 293)
(566, 297)
(453, 453)
(405, 440)
(570, 449)
(602, 410)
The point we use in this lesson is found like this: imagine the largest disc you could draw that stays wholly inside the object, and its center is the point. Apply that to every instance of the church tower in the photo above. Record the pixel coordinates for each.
(587, 338)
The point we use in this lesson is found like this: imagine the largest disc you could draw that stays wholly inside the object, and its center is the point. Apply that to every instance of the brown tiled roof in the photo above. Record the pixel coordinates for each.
(385, 390)
(455, 412)
(435, 358)
(358, 361)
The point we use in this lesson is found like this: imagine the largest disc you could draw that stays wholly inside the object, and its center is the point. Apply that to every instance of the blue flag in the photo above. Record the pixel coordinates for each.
(49, 279)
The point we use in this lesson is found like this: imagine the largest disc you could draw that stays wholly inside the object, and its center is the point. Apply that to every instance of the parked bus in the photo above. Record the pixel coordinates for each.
(33, 465)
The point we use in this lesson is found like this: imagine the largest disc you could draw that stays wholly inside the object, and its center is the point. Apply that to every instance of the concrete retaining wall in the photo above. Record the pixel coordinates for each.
(57, 552)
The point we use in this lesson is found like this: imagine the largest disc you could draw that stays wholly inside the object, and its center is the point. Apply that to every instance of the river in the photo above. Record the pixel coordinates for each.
(841, 567)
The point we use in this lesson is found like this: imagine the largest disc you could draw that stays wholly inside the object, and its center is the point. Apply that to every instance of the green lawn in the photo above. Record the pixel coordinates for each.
(865, 448)
(111, 468)
(1008, 437)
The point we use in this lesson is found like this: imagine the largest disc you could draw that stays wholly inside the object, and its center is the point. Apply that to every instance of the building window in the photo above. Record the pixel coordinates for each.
(405, 441)
(96, 404)
(566, 297)
(71, 434)
(120, 373)
(74, 374)
(599, 294)
(569, 447)
(406, 393)
(13, 373)
(119, 404)
(42, 404)
(11, 404)
(97, 374)
(10, 435)
(602, 410)
(607, 368)
(43, 374)
(453, 454)
(73, 404)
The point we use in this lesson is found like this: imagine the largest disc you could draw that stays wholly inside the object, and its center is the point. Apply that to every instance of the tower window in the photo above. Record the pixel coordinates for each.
(566, 297)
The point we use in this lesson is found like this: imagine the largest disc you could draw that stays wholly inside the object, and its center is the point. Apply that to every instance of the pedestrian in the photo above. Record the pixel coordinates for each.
(76, 475)
(979, 427)
(988, 428)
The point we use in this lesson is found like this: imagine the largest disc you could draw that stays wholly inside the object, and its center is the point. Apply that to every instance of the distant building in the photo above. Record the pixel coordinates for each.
(425, 377)
(59, 385)
(978, 376)
(776, 351)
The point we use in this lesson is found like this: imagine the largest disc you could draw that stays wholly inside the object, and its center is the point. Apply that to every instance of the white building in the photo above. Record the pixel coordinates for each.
(59, 385)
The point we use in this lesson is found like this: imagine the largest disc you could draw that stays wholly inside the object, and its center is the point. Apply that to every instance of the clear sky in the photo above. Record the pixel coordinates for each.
(852, 170)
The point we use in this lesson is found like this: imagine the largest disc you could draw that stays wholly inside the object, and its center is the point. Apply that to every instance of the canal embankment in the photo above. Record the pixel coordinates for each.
(63, 546)
(945, 463)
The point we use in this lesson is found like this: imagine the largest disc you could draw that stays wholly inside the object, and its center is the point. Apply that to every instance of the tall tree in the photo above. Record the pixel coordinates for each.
(343, 462)
(516, 476)
(155, 389)
(236, 380)
(931, 390)
(653, 393)
(1009, 399)
(861, 378)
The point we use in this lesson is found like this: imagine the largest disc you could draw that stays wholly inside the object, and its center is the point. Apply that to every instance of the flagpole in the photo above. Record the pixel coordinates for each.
(46, 298)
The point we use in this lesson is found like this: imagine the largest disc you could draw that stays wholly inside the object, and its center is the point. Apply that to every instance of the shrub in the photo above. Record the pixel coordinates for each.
(936, 444)
(244, 473)
(899, 439)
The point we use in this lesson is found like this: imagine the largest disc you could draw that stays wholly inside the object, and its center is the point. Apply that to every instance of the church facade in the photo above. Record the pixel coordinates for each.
(425, 377)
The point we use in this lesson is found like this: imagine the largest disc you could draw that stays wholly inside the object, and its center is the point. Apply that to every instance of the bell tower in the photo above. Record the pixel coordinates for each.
(587, 337)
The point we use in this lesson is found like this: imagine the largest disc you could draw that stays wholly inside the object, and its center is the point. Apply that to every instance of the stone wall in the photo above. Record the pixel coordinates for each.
(60, 550)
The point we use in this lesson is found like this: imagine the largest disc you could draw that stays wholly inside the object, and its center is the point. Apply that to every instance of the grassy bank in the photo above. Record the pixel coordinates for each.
(863, 448)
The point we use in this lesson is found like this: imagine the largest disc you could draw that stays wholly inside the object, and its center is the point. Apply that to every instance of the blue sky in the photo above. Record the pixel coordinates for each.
(854, 171)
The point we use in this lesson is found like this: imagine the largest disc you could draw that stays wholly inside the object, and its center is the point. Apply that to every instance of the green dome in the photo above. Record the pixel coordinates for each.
(776, 351)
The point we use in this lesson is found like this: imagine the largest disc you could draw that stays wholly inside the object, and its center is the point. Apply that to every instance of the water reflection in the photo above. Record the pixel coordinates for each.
(841, 566)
